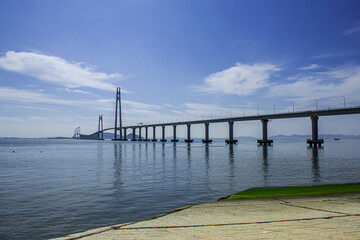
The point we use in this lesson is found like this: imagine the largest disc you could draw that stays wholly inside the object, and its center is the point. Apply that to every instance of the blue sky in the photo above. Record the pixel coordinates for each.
(61, 61)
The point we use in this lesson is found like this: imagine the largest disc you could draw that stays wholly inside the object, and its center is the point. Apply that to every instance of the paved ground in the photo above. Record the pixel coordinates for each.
(324, 217)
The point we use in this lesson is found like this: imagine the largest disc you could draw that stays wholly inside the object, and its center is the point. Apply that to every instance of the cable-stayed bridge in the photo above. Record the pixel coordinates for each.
(138, 129)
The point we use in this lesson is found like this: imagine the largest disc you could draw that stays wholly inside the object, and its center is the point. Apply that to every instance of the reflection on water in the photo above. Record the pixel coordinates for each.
(89, 184)
(231, 165)
(315, 163)
(265, 162)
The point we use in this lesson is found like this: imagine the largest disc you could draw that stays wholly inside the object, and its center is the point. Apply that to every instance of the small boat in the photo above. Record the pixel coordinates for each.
(336, 139)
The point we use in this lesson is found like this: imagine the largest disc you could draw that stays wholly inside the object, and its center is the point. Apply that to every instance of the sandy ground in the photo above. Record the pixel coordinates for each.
(318, 217)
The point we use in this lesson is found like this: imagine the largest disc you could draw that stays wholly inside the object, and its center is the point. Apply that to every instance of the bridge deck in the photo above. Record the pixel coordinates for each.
(323, 112)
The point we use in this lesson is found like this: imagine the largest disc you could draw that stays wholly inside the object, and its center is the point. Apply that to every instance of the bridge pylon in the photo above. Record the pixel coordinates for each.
(77, 133)
(100, 135)
(118, 116)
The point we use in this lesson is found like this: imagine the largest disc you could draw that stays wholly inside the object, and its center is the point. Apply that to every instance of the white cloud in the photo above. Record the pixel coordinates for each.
(139, 105)
(335, 83)
(56, 70)
(310, 67)
(27, 96)
(241, 79)
(76, 91)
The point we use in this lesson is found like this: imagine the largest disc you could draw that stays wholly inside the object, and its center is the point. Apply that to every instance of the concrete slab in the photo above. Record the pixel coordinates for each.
(336, 216)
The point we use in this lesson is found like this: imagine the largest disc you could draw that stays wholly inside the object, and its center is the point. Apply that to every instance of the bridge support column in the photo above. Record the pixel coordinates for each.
(265, 140)
(231, 139)
(174, 134)
(206, 140)
(125, 136)
(133, 135)
(140, 138)
(154, 135)
(315, 141)
(163, 134)
(188, 139)
(100, 129)
(146, 135)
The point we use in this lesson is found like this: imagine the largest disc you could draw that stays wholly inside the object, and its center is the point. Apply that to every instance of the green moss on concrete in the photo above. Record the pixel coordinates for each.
(296, 191)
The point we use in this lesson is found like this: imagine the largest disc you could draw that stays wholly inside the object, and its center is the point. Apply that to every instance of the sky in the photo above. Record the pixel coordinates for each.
(61, 61)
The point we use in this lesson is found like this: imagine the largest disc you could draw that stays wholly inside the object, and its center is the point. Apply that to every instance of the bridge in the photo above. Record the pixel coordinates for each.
(312, 114)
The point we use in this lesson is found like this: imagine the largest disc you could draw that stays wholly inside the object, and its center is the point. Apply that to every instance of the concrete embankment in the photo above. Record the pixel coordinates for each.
(312, 217)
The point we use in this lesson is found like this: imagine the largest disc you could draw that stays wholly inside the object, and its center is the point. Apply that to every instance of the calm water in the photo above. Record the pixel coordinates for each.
(51, 188)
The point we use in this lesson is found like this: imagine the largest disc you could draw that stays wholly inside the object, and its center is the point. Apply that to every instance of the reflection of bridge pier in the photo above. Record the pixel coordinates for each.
(315, 164)
(265, 162)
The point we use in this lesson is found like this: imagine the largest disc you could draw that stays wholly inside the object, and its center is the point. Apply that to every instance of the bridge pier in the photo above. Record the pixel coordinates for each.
(133, 134)
(125, 136)
(163, 134)
(265, 140)
(231, 139)
(140, 139)
(206, 140)
(188, 139)
(315, 133)
(174, 134)
(146, 135)
(154, 135)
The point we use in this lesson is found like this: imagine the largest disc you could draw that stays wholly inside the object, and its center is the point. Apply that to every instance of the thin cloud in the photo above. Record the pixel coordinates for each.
(27, 96)
(11, 119)
(57, 71)
(212, 110)
(341, 81)
(241, 79)
(76, 91)
(310, 67)
(335, 55)
(354, 29)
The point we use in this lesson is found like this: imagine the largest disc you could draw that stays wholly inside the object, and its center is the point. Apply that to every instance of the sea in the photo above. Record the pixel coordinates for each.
(51, 187)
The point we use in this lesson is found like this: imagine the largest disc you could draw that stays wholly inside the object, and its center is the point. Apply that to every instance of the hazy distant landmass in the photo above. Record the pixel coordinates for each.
(324, 136)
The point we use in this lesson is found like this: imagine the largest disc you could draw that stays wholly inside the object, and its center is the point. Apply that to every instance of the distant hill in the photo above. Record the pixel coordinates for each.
(128, 136)
(324, 136)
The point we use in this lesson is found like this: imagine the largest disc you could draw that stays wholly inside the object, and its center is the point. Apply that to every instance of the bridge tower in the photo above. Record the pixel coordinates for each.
(77, 133)
(100, 128)
(118, 113)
